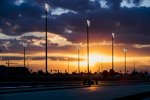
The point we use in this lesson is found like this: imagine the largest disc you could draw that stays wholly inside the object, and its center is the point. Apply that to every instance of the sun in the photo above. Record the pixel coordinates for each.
(94, 58)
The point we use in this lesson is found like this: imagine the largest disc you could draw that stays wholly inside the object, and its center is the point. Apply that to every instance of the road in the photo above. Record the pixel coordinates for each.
(100, 92)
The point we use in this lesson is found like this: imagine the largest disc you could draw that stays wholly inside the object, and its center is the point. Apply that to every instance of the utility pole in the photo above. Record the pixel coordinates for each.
(78, 59)
(46, 53)
(113, 36)
(125, 51)
(134, 65)
(68, 65)
(88, 25)
(24, 48)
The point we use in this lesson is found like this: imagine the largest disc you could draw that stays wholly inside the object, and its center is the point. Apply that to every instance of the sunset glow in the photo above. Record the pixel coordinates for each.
(66, 28)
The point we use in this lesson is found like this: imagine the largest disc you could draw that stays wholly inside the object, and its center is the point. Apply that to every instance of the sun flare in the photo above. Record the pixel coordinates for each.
(95, 58)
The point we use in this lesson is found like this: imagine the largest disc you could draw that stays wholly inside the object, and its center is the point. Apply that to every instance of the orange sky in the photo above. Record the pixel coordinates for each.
(97, 62)
(66, 28)
(100, 52)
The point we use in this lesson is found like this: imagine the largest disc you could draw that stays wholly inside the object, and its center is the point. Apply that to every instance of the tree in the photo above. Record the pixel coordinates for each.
(105, 73)
(111, 72)
(40, 72)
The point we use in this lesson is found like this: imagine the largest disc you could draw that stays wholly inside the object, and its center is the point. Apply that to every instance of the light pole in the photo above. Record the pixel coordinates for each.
(8, 63)
(125, 51)
(88, 25)
(47, 10)
(113, 36)
(68, 65)
(78, 59)
(102, 65)
(134, 65)
(24, 46)
(0, 57)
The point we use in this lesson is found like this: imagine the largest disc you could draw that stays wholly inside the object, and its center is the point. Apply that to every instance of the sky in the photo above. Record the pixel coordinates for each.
(23, 21)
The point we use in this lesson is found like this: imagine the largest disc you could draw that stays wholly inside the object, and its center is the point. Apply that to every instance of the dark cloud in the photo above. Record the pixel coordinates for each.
(134, 25)
(114, 4)
(137, 2)
(77, 5)
(131, 25)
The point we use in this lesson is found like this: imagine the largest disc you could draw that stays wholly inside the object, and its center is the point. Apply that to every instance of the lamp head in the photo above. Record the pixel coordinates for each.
(125, 49)
(88, 23)
(113, 35)
(47, 7)
(24, 44)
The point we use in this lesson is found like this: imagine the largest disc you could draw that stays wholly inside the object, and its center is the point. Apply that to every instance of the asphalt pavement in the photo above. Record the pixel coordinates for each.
(104, 91)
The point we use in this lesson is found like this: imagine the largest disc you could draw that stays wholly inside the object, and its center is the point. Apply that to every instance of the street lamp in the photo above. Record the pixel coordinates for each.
(125, 51)
(113, 36)
(47, 7)
(102, 65)
(78, 47)
(24, 46)
(68, 65)
(88, 25)
(134, 65)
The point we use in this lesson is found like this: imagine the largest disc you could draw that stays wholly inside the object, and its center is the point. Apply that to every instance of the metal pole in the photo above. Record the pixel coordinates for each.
(46, 46)
(88, 49)
(101, 66)
(78, 61)
(125, 62)
(28, 61)
(112, 52)
(1, 57)
(8, 63)
(24, 57)
(68, 65)
(134, 65)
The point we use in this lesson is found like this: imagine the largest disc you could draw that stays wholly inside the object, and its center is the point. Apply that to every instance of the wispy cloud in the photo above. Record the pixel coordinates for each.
(7, 37)
(59, 11)
(37, 39)
(135, 3)
(141, 46)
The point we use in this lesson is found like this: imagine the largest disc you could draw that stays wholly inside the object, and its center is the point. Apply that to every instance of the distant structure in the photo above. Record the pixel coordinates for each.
(88, 25)
(9, 63)
(13, 71)
(125, 53)
(68, 65)
(78, 47)
(0, 57)
(47, 10)
(113, 36)
(134, 65)
(24, 46)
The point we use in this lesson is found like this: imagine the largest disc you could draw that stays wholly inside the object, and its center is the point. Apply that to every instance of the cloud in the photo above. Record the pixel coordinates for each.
(141, 46)
(4, 36)
(103, 4)
(59, 11)
(19, 2)
(34, 40)
(24, 21)
(76, 5)
(6, 44)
